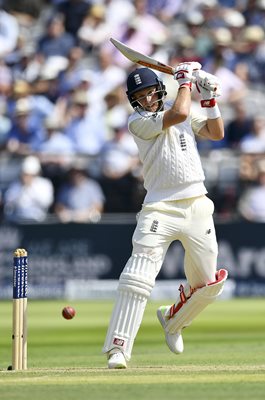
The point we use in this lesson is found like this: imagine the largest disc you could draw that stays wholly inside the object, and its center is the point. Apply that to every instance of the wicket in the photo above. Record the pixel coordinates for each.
(20, 286)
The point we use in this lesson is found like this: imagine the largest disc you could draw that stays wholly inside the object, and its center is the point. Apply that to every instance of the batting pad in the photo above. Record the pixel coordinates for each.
(195, 304)
(135, 285)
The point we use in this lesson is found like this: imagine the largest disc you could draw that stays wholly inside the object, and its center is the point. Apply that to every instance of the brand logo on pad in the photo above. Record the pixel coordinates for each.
(118, 342)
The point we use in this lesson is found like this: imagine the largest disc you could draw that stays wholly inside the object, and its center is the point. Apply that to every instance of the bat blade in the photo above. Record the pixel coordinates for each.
(146, 61)
(139, 58)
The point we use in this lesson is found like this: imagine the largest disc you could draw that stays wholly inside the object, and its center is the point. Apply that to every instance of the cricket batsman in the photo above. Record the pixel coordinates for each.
(176, 207)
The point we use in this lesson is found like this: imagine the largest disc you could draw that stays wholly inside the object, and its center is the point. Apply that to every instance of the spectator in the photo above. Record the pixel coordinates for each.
(28, 65)
(148, 24)
(5, 124)
(254, 12)
(118, 12)
(254, 141)
(80, 199)
(5, 79)
(29, 198)
(252, 203)
(56, 42)
(25, 134)
(116, 110)
(74, 12)
(56, 143)
(120, 175)
(133, 37)
(107, 76)
(251, 42)
(165, 10)
(121, 142)
(239, 126)
(70, 78)
(40, 106)
(85, 129)
(95, 30)
(9, 33)
(203, 42)
(46, 86)
(233, 88)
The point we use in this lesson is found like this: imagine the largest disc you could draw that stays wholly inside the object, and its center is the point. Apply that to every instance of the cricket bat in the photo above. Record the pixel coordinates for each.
(146, 61)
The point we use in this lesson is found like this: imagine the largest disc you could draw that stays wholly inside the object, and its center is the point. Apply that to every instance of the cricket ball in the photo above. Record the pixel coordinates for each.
(68, 312)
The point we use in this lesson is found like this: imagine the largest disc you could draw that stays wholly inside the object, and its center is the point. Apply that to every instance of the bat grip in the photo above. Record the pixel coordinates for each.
(196, 74)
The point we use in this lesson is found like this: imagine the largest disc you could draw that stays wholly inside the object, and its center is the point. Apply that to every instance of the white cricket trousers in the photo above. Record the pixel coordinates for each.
(159, 224)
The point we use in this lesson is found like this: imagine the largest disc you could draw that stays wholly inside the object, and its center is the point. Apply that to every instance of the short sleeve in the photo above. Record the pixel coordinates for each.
(197, 122)
(146, 127)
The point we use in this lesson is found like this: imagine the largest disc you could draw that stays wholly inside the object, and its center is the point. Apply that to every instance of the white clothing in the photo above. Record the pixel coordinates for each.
(31, 202)
(9, 33)
(252, 204)
(172, 168)
(253, 144)
(175, 208)
(189, 221)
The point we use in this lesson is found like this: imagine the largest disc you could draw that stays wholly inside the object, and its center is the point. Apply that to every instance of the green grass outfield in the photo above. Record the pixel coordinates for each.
(224, 355)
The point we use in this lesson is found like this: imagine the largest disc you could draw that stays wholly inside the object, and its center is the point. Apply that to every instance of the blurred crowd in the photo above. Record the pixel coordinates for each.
(65, 151)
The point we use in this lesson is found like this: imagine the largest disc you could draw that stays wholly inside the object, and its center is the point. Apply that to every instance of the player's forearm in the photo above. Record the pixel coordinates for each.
(215, 129)
(179, 110)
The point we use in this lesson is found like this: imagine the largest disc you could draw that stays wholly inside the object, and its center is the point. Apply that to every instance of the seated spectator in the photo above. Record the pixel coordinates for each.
(95, 30)
(5, 124)
(165, 10)
(233, 88)
(56, 41)
(56, 143)
(252, 203)
(25, 134)
(119, 12)
(74, 12)
(85, 128)
(121, 178)
(251, 42)
(29, 198)
(39, 104)
(80, 199)
(9, 33)
(71, 77)
(107, 76)
(254, 141)
(46, 86)
(5, 79)
(116, 110)
(239, 126)
(122, 142)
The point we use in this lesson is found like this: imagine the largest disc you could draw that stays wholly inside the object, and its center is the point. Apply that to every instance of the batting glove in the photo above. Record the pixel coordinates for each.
(184, 73)
(209, 88)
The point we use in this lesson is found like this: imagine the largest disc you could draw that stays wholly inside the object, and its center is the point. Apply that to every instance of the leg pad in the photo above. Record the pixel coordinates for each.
(182, 313)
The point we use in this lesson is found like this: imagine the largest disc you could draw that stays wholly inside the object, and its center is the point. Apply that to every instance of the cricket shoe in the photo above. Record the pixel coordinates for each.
(116, 360)
(174, 341)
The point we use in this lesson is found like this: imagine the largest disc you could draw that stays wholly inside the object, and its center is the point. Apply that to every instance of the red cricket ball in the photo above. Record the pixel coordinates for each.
(68, 312)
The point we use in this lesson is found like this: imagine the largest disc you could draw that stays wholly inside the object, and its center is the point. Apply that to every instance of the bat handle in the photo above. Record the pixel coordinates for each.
(212, 88)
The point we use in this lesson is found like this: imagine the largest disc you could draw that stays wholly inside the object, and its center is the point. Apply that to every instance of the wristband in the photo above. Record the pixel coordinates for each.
(187, 85)
(213, 112)
(208, 103)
